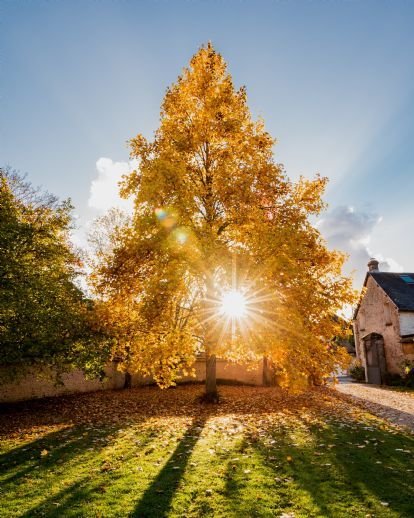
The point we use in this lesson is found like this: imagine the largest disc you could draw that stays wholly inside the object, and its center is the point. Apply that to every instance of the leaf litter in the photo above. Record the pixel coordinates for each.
(248, 422)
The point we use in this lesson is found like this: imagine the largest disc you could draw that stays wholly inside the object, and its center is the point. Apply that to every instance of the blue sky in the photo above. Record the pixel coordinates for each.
(333, 80)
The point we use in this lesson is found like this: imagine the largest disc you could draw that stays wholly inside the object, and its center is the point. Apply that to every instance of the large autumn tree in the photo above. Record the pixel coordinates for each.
(215, 214)
(45, 318)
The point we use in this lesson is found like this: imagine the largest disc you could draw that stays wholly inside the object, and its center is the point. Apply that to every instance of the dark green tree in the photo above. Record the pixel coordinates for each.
(45, 317)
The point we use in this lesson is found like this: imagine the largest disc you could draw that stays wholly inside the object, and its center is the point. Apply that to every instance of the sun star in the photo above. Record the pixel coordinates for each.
(233, 304)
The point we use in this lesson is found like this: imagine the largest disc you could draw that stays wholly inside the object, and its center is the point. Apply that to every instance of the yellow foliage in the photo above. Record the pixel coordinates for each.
(214, 211)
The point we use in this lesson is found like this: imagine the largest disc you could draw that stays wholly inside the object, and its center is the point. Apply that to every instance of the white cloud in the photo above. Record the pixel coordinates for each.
(104, 191)
(349, 230)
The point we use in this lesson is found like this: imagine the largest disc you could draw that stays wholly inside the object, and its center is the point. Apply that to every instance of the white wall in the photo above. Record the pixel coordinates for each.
(407, 323)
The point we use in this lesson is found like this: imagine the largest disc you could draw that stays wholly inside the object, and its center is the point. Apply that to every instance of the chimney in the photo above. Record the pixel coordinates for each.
(373, 265)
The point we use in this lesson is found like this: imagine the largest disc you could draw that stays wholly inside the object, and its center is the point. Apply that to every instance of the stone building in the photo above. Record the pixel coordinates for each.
(384, 323)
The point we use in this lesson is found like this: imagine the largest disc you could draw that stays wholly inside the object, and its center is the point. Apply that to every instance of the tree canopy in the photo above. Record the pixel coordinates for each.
(44, 316)
(214, 212)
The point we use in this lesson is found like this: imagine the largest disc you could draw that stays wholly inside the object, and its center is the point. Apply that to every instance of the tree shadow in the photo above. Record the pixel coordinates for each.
(48, 452)
(339, 470)
(345, 472)
(63, 502)
(51, 453)
(28, 470)
(157, 499)
(396, 416)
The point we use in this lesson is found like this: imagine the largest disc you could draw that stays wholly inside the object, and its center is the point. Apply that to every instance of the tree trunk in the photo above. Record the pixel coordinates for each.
(127, 381)
(210, 339)
(211, 384)
(268, 372)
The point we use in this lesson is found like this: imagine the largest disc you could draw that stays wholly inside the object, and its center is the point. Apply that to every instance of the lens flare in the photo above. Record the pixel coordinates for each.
(181, 237)
(166, 217)
(233, 304)
(160, 213)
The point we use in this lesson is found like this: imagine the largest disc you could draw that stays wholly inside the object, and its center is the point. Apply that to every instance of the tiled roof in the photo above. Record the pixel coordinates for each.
(399, 291)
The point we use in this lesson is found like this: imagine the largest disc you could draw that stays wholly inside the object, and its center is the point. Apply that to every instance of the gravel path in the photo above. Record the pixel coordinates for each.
(397, 407)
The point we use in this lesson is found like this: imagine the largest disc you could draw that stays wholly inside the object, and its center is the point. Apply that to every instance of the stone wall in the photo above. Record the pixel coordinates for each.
(37, 385)
(228, 371)
(252, 374)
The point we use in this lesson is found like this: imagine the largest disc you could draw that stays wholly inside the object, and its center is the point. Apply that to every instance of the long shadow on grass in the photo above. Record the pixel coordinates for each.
(157, 499)
(49, 451)
(66, 502)
(21, 468)
(339, 471)
(81, 493)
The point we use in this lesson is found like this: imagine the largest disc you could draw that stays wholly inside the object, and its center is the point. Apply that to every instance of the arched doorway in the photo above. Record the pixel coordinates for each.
(375, 364)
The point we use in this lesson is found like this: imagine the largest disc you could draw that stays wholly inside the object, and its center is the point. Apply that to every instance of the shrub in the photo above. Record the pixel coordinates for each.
(357, 371)
(408, 376)
(394, 380)
(405, 379)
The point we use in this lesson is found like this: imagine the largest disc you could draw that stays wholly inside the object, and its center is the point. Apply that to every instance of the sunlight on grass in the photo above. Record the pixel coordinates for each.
(214, 462)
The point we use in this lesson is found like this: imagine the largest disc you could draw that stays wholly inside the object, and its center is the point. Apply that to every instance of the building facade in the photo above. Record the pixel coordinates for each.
(383, 323)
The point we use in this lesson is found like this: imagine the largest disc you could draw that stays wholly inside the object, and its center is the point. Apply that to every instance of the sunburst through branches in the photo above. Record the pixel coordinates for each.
(239, 313)
(233, 304)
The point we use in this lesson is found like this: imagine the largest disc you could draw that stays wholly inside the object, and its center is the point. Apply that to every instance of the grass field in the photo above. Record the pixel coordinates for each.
(152, 453)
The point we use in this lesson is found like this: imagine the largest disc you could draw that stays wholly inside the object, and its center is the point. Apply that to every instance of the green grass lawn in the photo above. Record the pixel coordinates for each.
(152, 453)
